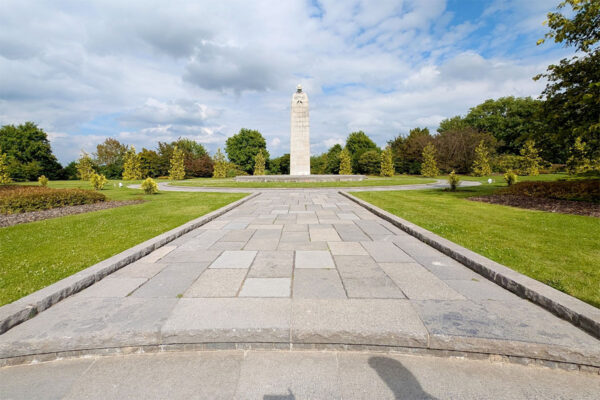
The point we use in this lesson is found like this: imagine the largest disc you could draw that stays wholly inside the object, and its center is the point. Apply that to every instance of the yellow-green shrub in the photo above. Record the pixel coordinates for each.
(510, 177)
(453, 180)
(149, 186)
(18, 199)
(43, 181)
(98, 181)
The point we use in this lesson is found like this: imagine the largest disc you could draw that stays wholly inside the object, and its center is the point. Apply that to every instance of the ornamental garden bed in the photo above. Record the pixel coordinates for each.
(579, 197)
(19, 199)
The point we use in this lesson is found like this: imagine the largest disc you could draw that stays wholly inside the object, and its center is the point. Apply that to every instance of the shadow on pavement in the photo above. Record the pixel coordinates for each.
(289, 396)
(398, 378)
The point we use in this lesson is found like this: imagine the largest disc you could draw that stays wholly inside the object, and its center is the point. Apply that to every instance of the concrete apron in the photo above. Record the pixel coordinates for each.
(398, 295)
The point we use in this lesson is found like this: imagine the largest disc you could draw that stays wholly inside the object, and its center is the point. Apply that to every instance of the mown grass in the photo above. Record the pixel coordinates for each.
(370, 181)
(560, 250)
(37, 254)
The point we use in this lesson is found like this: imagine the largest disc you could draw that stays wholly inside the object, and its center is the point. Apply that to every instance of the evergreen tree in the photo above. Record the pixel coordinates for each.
(345, 162)
(177, 170)
(531, 159)
(132, 169)
(259, 163)
(578, 161)
(85, 166)
(220, 170)
(4, 175)
(481, 165)
(429, 165)
(387, 162)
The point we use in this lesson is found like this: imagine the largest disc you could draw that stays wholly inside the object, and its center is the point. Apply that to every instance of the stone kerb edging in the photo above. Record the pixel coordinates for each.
(560, 304)
(27, 307)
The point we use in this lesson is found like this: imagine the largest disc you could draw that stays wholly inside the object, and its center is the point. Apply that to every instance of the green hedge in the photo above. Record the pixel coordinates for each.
(579, 190)
(18, 199)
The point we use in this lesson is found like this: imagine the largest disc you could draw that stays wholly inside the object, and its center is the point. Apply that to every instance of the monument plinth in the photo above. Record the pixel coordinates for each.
(299, 134)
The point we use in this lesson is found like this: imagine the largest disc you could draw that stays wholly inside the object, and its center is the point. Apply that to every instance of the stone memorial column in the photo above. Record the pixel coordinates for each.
(300, 138)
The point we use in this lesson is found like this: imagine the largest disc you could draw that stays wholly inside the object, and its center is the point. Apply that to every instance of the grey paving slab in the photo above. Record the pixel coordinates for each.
(482, 289)
(234, 259)
(347, 249)
(266, 287)
(113, 287)
(48, 381)
(323, 234)
(237, 235)
(228, 320)
(372, 226)
(161, 376)
(190, 255)
(272, 264)
(416, 282)
(310, 246)
(373, 321)
(266, 227)
(363, 278)
(318, 284)
(158, 254)
(167, 284)
(294, 236)
(139, 270)
(313, 259)
(288, 375)
(77, 323)
(386, 252)
(223, 246)
(262, 244)
(351, 233)
(217, 283)
(236, 225)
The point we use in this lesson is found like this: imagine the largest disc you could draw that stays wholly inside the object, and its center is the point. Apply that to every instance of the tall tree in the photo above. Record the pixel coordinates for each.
(220, 169)
(531, 159)
(149, 163)
(357, 143)
(573, 89)
(429, 166)
(259, 163)
(452, 124)
(412, 150)
(131, 165)
(578, 161)
(109, 157)
(387, 162)
(481, 165)
(28, 151)
(244, 146)
(456, 148)
(345, 162)
(333, 159)
(177, 170)
(85, 167)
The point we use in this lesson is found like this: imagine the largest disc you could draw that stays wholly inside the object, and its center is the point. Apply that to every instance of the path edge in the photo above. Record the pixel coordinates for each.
(575, 311)
(27, 307)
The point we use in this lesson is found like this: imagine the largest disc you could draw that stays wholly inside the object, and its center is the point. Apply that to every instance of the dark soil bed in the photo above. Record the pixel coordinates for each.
(543, 204)
(15, 219)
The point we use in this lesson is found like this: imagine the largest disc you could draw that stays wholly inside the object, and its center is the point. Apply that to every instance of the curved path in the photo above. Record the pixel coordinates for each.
(269, 375)
(437, 185)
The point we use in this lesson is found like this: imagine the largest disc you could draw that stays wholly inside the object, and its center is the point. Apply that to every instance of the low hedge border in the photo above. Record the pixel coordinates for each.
(578, 190)
(19, 199)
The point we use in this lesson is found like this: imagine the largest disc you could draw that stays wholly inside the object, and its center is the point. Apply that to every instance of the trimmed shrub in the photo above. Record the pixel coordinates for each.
(345, 162)
(149, 186)
(98, 181)
(387, 162)
(578, 190)
(18, 199)
(453, 180)
(43, 181)
(510, 177)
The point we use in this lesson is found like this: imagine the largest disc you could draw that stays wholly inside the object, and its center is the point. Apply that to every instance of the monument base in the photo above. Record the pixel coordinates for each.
(299, 178)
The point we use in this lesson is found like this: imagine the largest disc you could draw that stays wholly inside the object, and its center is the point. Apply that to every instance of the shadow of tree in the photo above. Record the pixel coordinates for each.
(398, 378)
(289, 396)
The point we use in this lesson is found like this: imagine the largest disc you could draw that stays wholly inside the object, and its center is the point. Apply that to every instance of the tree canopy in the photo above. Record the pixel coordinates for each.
(243, 147)
(357, 143)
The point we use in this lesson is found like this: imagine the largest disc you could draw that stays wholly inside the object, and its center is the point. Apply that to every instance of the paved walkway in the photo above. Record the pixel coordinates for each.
(269, 375)
(300, 269)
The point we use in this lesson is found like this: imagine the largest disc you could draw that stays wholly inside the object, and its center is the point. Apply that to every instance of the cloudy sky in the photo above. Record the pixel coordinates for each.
(145, 71)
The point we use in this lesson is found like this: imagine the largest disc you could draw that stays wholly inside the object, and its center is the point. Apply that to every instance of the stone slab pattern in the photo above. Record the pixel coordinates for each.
(306, 267)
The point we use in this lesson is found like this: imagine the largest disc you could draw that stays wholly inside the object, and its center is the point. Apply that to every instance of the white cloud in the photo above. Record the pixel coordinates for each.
(144, 71)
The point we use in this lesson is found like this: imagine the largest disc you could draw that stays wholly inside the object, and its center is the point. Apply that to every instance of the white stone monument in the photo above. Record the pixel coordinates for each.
(300, 135)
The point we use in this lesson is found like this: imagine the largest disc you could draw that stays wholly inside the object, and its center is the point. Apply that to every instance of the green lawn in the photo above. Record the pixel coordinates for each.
(560, 250)
(37, 254)
(370, 181)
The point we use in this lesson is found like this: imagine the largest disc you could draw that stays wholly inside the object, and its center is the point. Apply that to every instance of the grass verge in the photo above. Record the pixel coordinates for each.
(37, 254)
(370, 181)
(557, 249)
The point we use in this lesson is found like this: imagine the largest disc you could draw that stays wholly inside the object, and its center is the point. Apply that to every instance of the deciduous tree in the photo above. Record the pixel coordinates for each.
(244, 146)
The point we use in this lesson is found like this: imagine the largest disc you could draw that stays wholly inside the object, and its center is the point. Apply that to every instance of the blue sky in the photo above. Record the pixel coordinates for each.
(149, 71)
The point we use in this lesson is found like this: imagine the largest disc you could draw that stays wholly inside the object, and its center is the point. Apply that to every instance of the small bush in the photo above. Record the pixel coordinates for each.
(18, 199)
(578, 190)
(43, 181)
(98, 181)
(510, 177)
(453, 180)
(149, 186)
